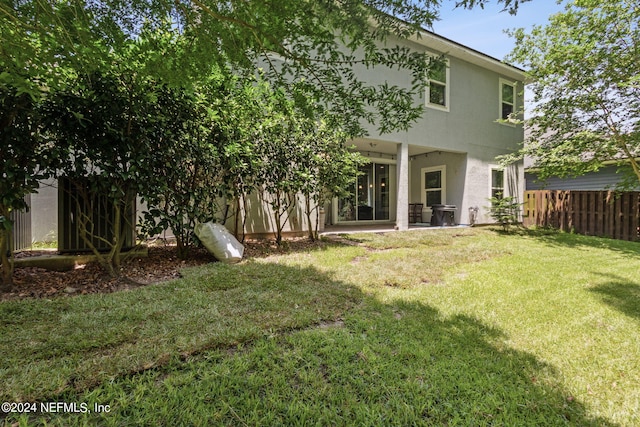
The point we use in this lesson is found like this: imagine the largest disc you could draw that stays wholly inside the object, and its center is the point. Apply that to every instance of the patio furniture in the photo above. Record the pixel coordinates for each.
(415, 212)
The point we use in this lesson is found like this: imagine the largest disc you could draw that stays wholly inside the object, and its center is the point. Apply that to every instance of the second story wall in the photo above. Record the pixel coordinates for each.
(473, 101)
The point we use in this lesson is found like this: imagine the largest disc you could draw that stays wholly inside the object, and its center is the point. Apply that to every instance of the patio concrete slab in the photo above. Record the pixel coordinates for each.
(378, 228)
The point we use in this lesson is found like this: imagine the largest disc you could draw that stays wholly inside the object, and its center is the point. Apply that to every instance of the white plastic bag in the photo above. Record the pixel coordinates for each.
(219, 242)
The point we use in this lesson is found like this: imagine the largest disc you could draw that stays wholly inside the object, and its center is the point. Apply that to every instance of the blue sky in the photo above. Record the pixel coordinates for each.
(482, 29)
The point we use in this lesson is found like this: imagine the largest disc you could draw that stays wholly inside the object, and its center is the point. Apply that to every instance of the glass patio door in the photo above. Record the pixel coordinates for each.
(369, 196)
(381, 201)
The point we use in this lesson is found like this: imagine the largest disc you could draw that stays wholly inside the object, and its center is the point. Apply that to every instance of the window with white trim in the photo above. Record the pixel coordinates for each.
(497, 183)
(507, 100)
(438, 88)
(434, 186)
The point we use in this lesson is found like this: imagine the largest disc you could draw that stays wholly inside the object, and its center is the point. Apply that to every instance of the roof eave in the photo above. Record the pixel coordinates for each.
(446, 46)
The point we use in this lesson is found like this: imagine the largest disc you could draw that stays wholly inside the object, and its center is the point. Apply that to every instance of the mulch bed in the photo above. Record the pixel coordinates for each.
(160, 265)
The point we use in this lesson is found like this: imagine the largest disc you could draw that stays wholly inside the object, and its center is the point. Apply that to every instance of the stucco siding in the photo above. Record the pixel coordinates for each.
(472, 116)
(466, 137)
(473, 107)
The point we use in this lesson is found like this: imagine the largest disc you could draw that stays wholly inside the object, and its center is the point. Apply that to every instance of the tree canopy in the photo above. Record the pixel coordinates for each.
(583, 70)
(102, 69)
(320, 42)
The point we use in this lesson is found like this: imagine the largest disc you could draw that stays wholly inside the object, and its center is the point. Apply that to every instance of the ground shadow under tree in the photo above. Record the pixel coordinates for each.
(400, 363)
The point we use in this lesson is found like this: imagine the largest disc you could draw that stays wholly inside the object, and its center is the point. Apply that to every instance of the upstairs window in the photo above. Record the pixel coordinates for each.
(438, 89)
(507, 100)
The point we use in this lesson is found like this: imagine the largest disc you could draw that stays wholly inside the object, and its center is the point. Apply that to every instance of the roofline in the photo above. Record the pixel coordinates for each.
(449, 47)
(458, 50)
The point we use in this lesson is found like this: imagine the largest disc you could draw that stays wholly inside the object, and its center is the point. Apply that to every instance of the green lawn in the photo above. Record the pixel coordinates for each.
(438, 327)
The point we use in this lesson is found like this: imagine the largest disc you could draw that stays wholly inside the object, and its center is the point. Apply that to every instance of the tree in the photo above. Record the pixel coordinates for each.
(320, 43)
(184, 171)
(25, 157)
(109, 123)
(280, 135)
(505, 210)
(328, 166)
(583, 71)
(240, 111)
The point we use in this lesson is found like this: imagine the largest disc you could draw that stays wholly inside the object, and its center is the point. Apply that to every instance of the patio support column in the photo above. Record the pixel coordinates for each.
(402, 206)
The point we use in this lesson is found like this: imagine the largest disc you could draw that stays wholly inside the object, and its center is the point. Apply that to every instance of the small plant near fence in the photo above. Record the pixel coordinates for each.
(505, 210)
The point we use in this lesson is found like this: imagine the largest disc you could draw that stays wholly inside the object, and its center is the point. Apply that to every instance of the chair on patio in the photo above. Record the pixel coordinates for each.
(415, 212)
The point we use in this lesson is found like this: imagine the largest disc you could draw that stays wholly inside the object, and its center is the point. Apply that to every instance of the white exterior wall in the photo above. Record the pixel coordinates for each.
(466, 137)
(44, 212)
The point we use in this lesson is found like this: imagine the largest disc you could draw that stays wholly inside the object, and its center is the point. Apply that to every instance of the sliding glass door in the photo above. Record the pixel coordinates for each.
(369, 197)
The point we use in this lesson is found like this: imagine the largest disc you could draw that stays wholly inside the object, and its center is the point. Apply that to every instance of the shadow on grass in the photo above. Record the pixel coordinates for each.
(386, 364)
(559, 238)
(620, 294)
(50, 347)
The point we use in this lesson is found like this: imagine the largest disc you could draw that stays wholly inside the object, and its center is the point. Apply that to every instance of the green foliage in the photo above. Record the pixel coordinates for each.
(281, 139)
(109, 124)
(288, 153)
(105, 64)
(583, 72)
(322, 44)
(26, 156)
(331, 167)
(184, 171)
(509, 5)
(505, 210)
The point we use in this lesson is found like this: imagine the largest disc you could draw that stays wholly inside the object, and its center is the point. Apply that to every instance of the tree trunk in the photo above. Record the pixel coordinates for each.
(244, 218)
(86, 225)
(236, 219)
(636, 167)
(313, 231)
(7, 261)
(115, 256)
(278, 231)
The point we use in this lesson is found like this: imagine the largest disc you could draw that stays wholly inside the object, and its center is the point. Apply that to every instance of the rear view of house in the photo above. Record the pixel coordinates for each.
(448, 156)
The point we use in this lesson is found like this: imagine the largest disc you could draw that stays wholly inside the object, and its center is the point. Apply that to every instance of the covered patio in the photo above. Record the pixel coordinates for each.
(400, 185)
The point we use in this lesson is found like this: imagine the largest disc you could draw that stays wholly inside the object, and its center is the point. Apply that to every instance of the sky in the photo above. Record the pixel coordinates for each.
(482, 29)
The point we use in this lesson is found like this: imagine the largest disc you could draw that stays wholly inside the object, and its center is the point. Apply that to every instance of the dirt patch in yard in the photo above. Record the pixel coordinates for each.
(160, 265)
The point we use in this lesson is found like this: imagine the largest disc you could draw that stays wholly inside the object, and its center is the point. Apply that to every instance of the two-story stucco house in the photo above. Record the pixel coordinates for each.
(448, 155)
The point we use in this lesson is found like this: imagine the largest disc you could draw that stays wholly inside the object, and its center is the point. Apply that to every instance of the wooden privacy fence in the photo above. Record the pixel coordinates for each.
(595, 213)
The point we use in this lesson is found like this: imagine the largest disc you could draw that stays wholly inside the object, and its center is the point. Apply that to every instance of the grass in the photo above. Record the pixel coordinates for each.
(456, 327)
(44, 245)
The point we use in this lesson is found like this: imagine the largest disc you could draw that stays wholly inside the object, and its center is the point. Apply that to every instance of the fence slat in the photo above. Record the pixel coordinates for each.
(598, 213)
